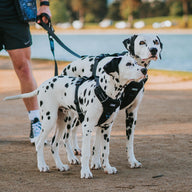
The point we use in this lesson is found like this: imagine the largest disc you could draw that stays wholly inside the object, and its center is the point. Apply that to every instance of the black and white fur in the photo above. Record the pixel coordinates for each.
(56, 98)
(143, 48)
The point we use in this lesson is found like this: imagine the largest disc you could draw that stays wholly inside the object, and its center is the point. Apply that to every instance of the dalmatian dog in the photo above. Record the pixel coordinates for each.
(62, 95)
(143, 48)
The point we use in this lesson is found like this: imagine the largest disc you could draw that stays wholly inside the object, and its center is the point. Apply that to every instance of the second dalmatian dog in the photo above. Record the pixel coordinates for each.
(96, 101)
(143, 48)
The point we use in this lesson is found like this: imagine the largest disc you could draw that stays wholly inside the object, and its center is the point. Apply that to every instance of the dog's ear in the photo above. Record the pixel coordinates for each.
(129, 44)
(161, 46)
(112, 66)
(126, 43)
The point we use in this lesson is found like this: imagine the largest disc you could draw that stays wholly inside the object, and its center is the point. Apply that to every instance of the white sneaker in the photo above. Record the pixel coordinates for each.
(35, 130)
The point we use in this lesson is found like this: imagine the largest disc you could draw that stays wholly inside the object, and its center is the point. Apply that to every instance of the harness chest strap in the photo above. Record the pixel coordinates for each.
(131, 91)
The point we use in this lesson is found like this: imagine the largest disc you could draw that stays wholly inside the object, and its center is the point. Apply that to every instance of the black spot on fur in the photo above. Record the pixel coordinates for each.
(48, 113)
(52, 85)
(54, 79)
(41, 103)
(85, 92)
(68, 126)
(91, 59)
(67, 85)
(91, 67)
(68, 67)
(53, 139)
(80, 100)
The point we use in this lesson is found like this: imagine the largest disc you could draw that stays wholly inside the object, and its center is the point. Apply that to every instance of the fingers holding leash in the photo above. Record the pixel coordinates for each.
(44, 12)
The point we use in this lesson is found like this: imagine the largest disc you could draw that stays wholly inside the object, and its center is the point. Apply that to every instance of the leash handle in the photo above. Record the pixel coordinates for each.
(48, 26)
(40, 21)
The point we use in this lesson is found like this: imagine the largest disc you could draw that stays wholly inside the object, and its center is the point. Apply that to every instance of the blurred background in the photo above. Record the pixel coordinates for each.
(93, 27)
(122, 13)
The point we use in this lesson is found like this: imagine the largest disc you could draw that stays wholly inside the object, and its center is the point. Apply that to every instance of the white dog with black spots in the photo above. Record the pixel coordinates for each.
(143, 48)
(56, 99)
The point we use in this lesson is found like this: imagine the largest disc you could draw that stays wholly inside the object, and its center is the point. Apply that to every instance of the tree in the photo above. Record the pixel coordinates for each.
(185, 12)
(114, 11)
(97, 8)
(129, 9)
(79, 6)
(59, 11)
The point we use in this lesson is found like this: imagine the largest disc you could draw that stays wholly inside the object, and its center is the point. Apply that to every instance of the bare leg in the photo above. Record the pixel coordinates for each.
(22, 65)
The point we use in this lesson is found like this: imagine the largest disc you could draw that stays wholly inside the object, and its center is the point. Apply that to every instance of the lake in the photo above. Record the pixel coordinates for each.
(176, 54)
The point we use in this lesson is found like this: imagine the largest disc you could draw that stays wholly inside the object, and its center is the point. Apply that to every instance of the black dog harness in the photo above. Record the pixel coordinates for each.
(130, 92)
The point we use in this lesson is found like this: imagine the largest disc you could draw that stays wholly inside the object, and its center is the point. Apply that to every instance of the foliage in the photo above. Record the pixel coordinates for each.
(176, 9)
(97, 8)
(129, 7)
(59, 11)
(114, 11)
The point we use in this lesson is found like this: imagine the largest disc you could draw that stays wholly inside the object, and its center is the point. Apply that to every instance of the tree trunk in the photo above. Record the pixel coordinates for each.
(185, 13)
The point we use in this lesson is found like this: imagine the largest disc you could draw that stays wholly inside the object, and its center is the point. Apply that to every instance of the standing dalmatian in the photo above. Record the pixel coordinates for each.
(143, 48)
(95, 101)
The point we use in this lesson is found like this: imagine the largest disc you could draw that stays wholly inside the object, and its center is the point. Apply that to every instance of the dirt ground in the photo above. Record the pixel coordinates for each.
(163, 143)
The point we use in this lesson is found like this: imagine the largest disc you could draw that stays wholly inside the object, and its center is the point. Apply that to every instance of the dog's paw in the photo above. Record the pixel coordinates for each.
(95, 166)
(43, 168)
(77, 152)
(95, 163)
(86, 173)
(74, 161)
(110, 170)
(135, 164)
(63, 167)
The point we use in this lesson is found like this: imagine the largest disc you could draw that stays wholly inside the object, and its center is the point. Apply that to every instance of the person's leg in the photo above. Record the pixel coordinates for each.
(22, 65)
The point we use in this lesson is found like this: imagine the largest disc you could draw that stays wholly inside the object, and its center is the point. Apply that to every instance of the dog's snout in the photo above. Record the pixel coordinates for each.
(144, 71)
(153, 51)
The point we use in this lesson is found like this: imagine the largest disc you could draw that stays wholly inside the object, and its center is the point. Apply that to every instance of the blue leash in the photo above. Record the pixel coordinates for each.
(48, 27)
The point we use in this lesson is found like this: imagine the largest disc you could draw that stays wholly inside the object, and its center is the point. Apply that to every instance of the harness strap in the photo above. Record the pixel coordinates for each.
(109, 105)
(76, 101)
(131, 91)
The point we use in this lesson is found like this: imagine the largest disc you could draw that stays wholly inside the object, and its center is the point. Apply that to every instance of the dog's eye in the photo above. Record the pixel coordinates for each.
(129, 64)
(142, 43)
(156, 42)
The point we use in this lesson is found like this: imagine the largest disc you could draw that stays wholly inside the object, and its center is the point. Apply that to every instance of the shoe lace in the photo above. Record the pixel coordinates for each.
(36, 126)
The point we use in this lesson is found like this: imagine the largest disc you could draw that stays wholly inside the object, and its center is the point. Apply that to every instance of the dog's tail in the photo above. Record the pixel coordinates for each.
(22, 96)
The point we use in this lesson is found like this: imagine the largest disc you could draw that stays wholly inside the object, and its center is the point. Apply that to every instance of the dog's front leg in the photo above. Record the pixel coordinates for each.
(74, 140)
(96, 161)
(105, 138)
(87, 130)
(131, 118)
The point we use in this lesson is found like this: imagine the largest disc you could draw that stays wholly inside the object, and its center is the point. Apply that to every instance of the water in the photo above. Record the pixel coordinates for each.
(176, 54)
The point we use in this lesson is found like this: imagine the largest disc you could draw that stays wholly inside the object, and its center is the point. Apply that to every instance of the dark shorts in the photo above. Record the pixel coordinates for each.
(14, 35)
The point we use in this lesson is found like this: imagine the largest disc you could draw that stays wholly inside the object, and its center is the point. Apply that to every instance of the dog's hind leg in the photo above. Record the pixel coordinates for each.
(131, 118)
(105, 138)
(48, 122)
(55, 142)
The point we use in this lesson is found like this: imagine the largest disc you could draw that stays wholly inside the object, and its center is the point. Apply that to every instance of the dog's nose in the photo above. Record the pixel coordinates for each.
(144, 71)
(153, 51)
